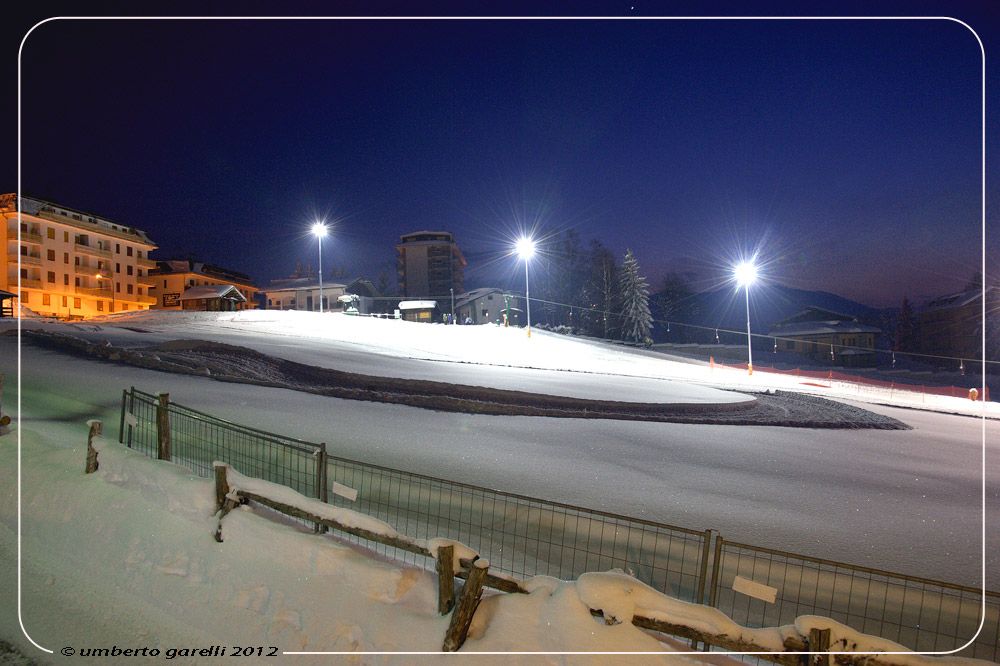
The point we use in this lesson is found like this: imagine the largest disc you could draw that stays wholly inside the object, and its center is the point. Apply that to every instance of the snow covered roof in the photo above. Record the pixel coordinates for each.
(821, 328)
(417, 305)
(469, 296)
(300, 284)
(956, 300)
(812, 313)
(213, 291)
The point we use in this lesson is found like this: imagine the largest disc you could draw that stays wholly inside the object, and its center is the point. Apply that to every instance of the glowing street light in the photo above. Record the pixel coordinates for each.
(526, 250)
(745, 274)
(319, 230)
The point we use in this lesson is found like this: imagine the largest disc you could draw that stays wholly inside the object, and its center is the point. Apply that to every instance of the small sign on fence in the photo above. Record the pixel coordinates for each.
(131, 420)
(755, 590)
(346, 492)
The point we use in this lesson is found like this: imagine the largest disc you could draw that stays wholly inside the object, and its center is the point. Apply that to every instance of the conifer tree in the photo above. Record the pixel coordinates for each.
(637, 321)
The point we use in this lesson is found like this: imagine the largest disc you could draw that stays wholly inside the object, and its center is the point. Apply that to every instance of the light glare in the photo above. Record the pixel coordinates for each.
(745, 273)
(525, 248)
(319, 229)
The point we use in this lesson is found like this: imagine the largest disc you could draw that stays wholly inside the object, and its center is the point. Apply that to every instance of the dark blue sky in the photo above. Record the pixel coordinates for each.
(849, 150)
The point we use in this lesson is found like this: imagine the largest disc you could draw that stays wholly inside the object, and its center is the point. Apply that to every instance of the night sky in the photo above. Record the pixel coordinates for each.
(847, 152)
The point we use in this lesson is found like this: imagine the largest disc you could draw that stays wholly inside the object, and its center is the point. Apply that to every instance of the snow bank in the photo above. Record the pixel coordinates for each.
(320, 335)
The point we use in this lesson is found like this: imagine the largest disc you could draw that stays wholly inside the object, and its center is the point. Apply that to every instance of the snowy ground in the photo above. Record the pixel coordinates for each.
(904, 500)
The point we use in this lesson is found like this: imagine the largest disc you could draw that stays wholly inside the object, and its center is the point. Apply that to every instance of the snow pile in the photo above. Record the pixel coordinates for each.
(146, 571)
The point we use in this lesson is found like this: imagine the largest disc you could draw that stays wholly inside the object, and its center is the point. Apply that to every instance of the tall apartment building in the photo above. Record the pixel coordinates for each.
(429, 264)
(73, 264)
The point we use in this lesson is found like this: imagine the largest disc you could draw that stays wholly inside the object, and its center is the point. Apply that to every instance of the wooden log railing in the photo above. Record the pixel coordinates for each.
(814, 649)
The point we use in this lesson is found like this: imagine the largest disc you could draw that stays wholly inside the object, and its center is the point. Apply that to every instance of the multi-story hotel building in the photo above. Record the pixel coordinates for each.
(429, 264)
(66, 263)
(175, 278)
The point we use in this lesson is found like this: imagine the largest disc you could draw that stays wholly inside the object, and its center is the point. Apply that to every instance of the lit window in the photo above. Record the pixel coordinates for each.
(76, 303)
(100, 306)
(50, 233)
(46, 299)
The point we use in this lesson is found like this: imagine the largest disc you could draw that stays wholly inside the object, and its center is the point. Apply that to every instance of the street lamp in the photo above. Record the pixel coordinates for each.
(746, 274)
(111, 287)
(526, 250)
(319, 230)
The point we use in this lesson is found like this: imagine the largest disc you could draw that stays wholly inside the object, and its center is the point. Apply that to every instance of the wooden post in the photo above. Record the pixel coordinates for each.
(819, 642)
(221, 487)
(96, 428)
(163, 427)
(468, 601)
(321, 483)
(446, 578)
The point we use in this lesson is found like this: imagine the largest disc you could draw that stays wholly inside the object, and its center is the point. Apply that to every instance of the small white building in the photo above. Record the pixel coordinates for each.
(487, 305)
(303, 294)
(422, 311)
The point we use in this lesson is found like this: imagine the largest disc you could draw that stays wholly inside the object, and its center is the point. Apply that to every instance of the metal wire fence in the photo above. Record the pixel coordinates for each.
(921, 614)
(524, 536)
(521, 536)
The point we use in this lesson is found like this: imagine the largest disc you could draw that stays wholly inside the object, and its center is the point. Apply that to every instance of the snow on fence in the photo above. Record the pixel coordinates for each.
(523, 536)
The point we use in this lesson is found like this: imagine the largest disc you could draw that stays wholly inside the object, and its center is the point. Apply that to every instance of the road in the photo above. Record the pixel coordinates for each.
(907, 501)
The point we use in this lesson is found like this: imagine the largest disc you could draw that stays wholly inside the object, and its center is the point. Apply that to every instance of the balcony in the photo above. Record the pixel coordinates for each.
(29, 283)
(89, 271)
(97, 293)
(148, 280)
(26, 259)
(148, 300)
(142, 262)
(92, 250)
(26, 236)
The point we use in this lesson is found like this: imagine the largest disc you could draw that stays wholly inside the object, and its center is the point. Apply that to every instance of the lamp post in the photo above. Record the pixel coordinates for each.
(745, 274)
(111, 288)
(319, 230)
(526, 250)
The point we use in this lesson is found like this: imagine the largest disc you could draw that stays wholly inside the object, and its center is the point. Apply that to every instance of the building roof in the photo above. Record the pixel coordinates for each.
(174, 266)
(4, 295)
(73, 217)
(820, 328)
(450, 237)
(815, 313)
(462, 300)
(297, 284)
(417, 305)
(226, 291)
(958, 300)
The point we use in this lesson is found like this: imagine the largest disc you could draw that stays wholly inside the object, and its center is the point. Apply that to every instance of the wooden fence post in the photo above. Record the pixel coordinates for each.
(96, 428)
(221, 487)
(819, 641)
(163, 427)
(468, 601)
(446, 578)
(321, 482)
